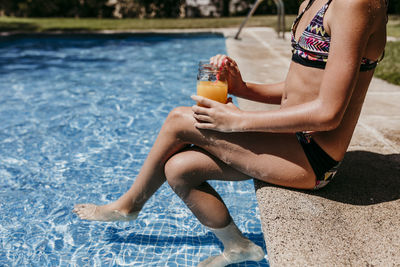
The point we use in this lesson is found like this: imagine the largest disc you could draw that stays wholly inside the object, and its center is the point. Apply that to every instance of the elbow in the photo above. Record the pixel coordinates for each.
(331, 125)
(329, 120)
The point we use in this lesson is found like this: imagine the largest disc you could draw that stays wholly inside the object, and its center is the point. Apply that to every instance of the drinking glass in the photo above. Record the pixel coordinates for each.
(210, 83)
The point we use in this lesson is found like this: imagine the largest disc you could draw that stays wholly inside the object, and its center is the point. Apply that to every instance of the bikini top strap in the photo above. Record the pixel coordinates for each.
(327, 4)
(325, 7)
(294, 25)
(312, 1)
(309, 5)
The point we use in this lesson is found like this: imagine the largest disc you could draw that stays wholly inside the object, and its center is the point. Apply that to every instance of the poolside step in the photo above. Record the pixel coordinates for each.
(355, 220)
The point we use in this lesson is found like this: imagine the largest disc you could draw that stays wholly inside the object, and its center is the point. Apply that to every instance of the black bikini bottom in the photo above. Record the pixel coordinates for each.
(324, 166)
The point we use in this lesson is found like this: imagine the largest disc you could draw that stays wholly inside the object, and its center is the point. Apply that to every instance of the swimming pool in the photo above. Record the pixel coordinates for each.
(78, 116)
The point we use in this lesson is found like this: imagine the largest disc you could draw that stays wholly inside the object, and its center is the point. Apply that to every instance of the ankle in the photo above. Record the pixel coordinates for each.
(128, 210)
(122, 207)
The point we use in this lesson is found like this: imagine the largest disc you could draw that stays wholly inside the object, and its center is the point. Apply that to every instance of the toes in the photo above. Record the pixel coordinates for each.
(78, 207)
(82, 215)
(82, 210)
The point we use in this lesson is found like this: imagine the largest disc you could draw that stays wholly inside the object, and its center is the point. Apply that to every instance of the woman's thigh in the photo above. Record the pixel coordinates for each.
(275, 158)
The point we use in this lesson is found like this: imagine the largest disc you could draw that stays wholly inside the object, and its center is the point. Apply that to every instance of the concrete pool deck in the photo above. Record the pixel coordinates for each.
(355, 221)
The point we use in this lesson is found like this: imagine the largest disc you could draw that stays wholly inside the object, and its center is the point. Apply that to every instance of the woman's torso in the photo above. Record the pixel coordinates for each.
(303, 83)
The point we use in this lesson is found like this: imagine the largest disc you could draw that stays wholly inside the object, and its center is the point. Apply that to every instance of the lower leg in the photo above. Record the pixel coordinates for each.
(149, 179)
(185, 173)
(208, 207)
(199, 199)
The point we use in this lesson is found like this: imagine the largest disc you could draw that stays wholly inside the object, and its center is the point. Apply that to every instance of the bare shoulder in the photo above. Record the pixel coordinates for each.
(371, 13)
(360, 25)
(367, 8)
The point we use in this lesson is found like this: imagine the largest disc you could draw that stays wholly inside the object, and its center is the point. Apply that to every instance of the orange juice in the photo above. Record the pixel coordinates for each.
(215, 90)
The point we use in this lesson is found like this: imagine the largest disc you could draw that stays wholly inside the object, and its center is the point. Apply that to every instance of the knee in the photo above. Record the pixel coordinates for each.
(179, 171)
(177, 114)
(179, 119)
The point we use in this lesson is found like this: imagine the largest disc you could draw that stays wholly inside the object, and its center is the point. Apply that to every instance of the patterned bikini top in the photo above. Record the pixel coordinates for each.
(312, 49)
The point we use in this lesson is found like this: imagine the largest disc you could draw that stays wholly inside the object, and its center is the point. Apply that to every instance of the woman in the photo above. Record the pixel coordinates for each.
(336, 46)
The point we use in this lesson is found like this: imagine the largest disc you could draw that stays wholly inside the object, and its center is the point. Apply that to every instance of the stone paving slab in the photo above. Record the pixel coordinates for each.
(355, 221)
(385, 104)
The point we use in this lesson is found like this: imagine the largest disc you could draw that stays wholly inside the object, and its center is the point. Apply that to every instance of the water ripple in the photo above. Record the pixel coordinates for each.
(78, 117)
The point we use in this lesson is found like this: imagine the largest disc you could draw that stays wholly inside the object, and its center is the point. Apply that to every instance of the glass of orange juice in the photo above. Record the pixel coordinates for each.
(209, 83)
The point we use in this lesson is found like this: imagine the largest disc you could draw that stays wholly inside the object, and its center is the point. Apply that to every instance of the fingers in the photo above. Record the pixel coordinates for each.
(232, 67)
(205, 102)
(204, 126)
(217, 60)
(199, 110)
(201, 114)
(229, 60)
(226, 64)
(202, 118)
(220, 60)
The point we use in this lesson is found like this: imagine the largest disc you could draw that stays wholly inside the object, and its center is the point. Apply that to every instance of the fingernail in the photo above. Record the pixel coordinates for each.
(224, 61)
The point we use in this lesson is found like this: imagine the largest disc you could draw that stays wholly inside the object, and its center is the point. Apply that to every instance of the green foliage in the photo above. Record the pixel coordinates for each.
(127, 8)
(11, 24)
(91, 8)
(162, 8)
(394, 7)
(56, 8)
(292, 7)
(389, 68)
(269, 7)
(393, 26)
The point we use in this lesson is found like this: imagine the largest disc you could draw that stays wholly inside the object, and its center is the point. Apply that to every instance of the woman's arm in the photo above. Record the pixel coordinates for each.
(350, 28)
(266, 93)
(311, 116)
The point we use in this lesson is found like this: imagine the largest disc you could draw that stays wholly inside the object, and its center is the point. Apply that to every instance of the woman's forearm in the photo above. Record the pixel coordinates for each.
(311, 116)
(316, 115)
(265, 93)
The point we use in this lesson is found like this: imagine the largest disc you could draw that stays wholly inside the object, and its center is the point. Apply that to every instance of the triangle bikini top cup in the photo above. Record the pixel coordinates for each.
(312, 49)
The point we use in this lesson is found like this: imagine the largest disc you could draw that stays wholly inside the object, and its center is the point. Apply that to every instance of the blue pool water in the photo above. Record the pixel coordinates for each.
(78, 116)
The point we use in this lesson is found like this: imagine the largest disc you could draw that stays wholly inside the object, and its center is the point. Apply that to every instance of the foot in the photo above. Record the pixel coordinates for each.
(104, 213)
(250, 252)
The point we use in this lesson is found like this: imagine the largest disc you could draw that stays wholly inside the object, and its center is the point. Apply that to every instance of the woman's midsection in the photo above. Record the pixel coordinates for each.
(303, 85)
